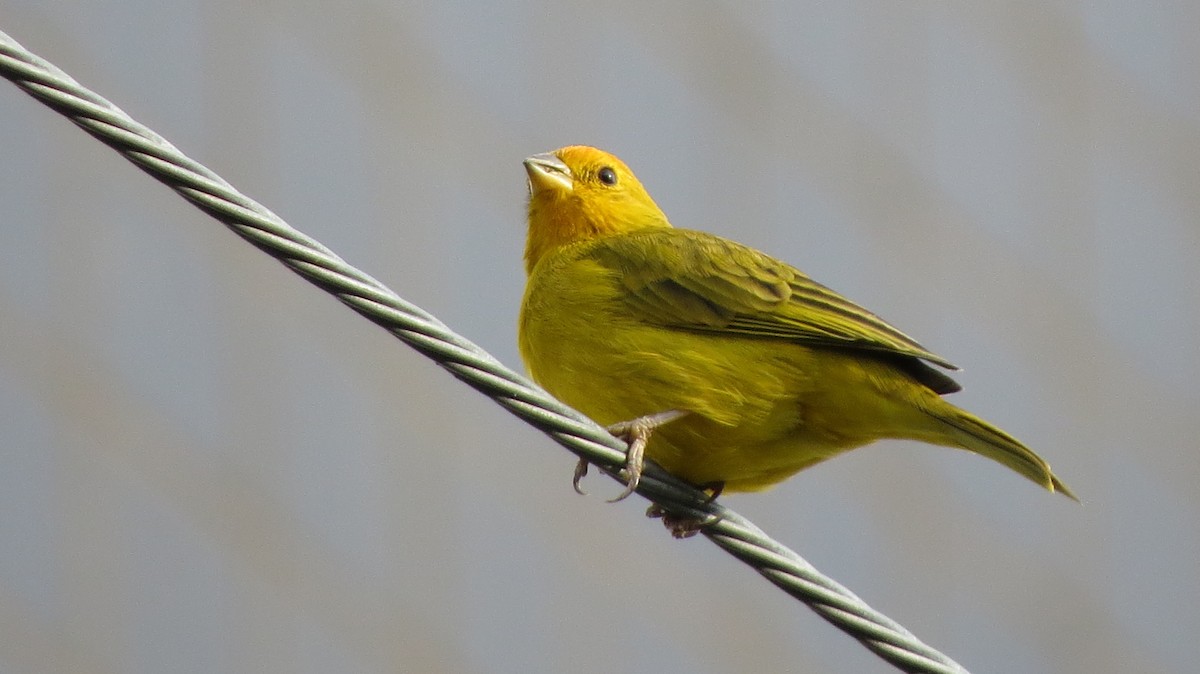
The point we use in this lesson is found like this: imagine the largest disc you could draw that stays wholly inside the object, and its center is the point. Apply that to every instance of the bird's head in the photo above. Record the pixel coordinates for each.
(578, 193)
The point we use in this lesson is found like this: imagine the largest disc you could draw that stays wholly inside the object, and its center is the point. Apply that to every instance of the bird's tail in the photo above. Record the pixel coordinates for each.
(969, 432)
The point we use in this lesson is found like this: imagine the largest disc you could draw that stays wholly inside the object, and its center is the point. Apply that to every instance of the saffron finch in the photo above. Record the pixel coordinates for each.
(727, 367)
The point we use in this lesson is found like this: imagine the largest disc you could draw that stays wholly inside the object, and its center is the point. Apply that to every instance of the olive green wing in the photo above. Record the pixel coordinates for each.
(695, 281)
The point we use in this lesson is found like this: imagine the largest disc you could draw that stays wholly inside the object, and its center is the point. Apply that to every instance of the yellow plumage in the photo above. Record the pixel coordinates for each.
(625, 316)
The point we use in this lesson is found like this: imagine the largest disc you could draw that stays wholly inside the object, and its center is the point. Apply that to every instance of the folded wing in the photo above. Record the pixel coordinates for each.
(690, 280)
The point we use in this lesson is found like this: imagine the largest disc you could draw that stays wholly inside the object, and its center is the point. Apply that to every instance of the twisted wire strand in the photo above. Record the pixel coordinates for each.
(466, 361)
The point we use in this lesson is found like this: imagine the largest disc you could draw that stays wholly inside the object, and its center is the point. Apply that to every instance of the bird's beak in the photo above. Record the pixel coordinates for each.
(547, 172)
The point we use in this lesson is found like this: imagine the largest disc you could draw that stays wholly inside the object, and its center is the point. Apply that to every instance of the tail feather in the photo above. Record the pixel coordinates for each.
(969, 432)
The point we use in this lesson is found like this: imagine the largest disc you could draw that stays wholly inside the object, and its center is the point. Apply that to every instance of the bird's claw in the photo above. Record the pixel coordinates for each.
(680, 526)
(637, 433)
(581, 471)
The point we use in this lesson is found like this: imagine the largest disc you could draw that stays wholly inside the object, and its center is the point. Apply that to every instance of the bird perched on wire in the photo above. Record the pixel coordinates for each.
(727, 367)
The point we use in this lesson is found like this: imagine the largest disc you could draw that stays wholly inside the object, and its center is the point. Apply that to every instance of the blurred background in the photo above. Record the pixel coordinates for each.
(207, 465)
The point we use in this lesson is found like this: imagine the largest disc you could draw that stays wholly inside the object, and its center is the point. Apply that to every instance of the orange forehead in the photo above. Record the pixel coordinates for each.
(583, 155)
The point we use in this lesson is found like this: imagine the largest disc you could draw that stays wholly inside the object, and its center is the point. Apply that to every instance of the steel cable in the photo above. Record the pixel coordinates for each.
(466, 361)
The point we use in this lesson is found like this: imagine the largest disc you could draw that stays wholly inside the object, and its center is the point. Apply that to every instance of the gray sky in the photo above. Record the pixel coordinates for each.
(210, 466)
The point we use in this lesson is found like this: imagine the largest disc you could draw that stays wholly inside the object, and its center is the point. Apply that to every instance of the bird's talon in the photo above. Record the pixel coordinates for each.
(680, 526)
(581, 470)
(630, 487)
(684, 528)
(637, 433)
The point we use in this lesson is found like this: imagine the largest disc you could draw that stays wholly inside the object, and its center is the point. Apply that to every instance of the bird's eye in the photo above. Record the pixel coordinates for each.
(607, 176)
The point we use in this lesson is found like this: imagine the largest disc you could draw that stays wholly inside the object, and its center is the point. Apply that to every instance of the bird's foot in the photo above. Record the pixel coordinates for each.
(680, 526)
(637, 433)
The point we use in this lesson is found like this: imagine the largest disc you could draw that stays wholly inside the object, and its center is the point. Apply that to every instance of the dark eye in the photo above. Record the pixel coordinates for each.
(607, 176)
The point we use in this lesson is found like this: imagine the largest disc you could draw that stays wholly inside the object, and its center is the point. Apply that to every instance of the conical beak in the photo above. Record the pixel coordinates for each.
(547, 172)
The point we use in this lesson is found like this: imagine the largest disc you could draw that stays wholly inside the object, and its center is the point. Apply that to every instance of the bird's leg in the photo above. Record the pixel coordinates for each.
(715, 488)
(637, 433)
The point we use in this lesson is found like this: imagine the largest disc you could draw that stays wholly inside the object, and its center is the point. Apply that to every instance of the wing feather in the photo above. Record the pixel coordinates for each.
(691, 280)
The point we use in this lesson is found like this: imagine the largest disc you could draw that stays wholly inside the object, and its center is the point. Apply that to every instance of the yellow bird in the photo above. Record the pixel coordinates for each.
(727, 367)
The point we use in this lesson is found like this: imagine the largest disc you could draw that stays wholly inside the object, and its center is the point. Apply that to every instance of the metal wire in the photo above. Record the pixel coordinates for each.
(466, 361)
